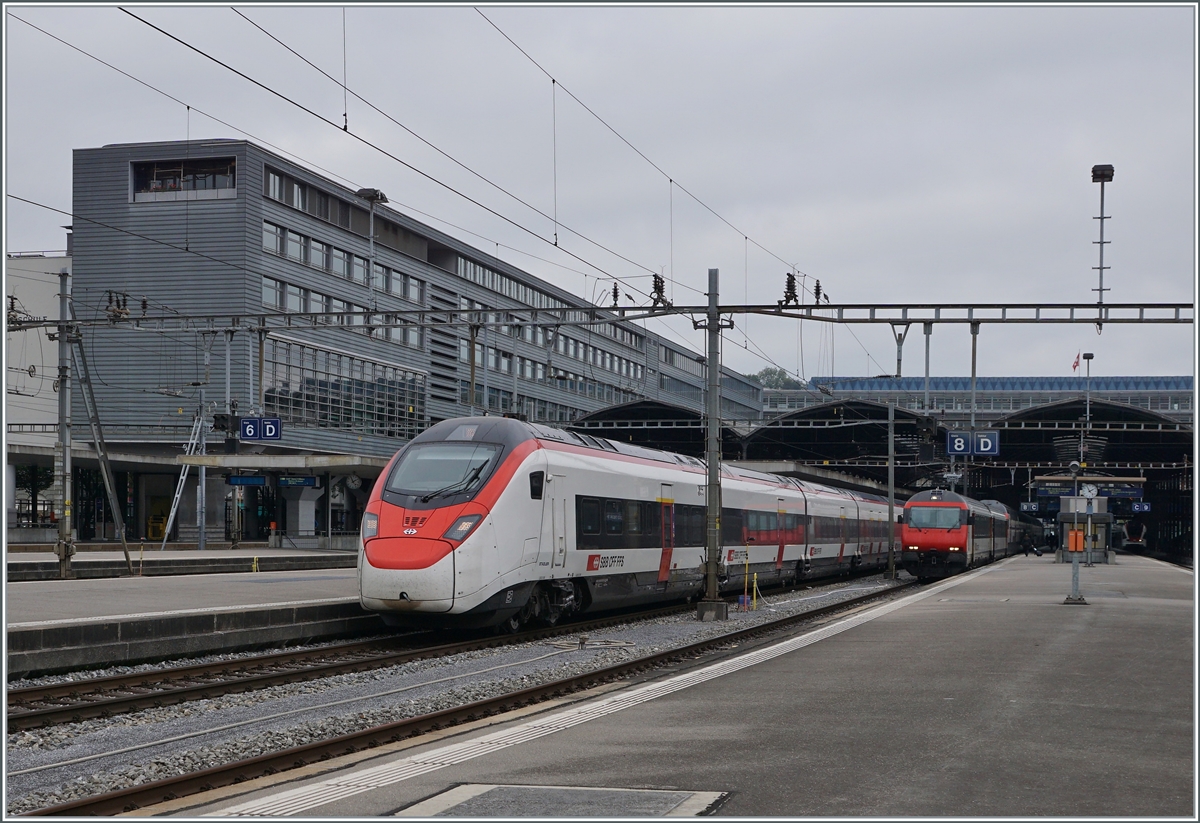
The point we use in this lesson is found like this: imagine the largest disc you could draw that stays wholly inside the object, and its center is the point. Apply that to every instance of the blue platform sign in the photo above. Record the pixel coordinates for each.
(986, 443)
(958, 443)
(1141, 508)
(261, 428)
(286, 481)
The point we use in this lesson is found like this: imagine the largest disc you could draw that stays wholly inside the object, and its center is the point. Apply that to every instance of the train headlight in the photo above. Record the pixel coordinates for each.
(955, 549)
(914, 548)
(370, 526)
(462, 527)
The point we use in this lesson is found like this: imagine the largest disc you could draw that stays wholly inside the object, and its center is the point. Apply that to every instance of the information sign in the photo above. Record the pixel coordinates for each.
(261, 428)
(978, 442)
(1141, 508)
(958, 443)
(986, 443)
(297, 481)
(1029, 506)
(245, 480)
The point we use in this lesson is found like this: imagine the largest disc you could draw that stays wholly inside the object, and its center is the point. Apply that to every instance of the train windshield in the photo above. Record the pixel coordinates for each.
(934, 517)
(430, 470)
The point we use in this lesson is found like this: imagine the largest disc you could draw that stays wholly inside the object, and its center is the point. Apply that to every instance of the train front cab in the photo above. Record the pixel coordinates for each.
(935, 535)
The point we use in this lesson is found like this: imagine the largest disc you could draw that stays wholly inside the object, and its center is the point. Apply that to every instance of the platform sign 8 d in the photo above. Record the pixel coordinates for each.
(978, 442)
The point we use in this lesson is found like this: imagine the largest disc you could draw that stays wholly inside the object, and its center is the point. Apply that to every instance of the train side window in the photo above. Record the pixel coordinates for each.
(633, 517)
(614, 517)
(536, 482)
(589, 515)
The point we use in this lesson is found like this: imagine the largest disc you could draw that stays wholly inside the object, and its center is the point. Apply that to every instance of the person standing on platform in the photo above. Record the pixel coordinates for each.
(1026, 543)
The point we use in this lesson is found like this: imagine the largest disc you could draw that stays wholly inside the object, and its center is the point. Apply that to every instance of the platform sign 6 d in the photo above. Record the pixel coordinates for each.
(978, 442)
(261, 428)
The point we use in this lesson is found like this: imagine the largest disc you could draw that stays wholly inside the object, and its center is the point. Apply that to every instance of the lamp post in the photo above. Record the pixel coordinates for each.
(372, 196)
(1101, 174)
(1087, 408)
(1087, 429)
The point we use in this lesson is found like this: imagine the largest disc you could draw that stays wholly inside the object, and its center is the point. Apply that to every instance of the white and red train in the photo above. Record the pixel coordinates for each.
(493, 521)
(943, 533)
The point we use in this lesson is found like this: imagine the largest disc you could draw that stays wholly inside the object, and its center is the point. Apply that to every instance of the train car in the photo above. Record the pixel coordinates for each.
(1015, 528)
(491, 521)
(943, 533)
(1135, 536)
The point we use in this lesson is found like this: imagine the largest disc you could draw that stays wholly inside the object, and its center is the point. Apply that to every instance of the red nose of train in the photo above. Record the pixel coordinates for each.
(398, 538)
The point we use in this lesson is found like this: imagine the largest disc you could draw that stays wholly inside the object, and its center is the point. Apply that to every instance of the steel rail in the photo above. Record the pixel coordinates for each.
(136, 797)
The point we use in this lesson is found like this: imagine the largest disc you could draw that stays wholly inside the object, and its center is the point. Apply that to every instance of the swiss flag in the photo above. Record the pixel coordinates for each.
(1075, 365)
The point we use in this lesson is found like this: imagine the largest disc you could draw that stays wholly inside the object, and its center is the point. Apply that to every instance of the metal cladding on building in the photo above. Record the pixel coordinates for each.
(226, 227)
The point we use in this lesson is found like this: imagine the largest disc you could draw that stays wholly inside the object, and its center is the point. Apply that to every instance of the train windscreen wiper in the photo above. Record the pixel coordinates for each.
(465, 483)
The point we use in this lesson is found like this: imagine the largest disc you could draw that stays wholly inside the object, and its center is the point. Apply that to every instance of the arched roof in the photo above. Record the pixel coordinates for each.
(658, 425)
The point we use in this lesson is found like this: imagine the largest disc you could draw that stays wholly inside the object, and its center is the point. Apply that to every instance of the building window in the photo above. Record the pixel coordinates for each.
(297, 247)
(340, 263)
(273, 238)
(320, 254)
(296, 299)
(163, 176)
(360, 270)
(272, 291)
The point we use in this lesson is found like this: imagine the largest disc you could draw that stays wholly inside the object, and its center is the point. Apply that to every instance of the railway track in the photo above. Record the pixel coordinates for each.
(79, 700)
(72, 702)
(148, 794)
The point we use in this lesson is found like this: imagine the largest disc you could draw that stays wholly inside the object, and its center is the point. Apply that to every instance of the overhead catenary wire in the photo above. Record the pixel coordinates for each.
(671, 181)
(586, 262)
(623, 139)
(552, 217)
(171, 97)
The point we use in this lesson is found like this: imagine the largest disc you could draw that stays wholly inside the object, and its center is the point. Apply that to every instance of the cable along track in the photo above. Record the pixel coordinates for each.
(135, 797)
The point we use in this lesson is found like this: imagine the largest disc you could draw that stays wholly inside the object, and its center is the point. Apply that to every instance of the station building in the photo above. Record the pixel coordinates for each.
(226, 227)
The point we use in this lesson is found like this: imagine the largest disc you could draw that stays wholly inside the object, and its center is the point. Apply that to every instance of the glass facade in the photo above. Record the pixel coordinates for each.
(307, 385)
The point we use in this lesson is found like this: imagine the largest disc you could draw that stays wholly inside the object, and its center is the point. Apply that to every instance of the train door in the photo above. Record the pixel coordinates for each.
(666, 500)
(781, 530)
(844, 524)
(554, 523)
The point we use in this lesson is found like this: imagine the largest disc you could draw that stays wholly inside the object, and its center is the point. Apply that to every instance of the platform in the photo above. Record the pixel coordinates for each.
(150, 561)
(57, 625)
(983, 695)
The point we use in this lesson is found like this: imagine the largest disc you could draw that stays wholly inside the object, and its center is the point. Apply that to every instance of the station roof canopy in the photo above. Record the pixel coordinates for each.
(657, 425)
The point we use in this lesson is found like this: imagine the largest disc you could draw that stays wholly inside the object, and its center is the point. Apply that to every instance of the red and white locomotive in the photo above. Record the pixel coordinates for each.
(494, 521)
(944, 532)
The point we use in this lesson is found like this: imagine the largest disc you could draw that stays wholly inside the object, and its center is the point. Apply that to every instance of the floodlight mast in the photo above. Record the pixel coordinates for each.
(1101, 174)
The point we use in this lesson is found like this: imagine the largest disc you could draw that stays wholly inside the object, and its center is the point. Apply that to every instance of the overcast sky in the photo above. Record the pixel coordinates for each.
(896, 154)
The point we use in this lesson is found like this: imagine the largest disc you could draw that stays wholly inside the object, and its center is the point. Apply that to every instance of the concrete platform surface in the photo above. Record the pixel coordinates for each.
(57, 625)
(152, 562)
(984, 695)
